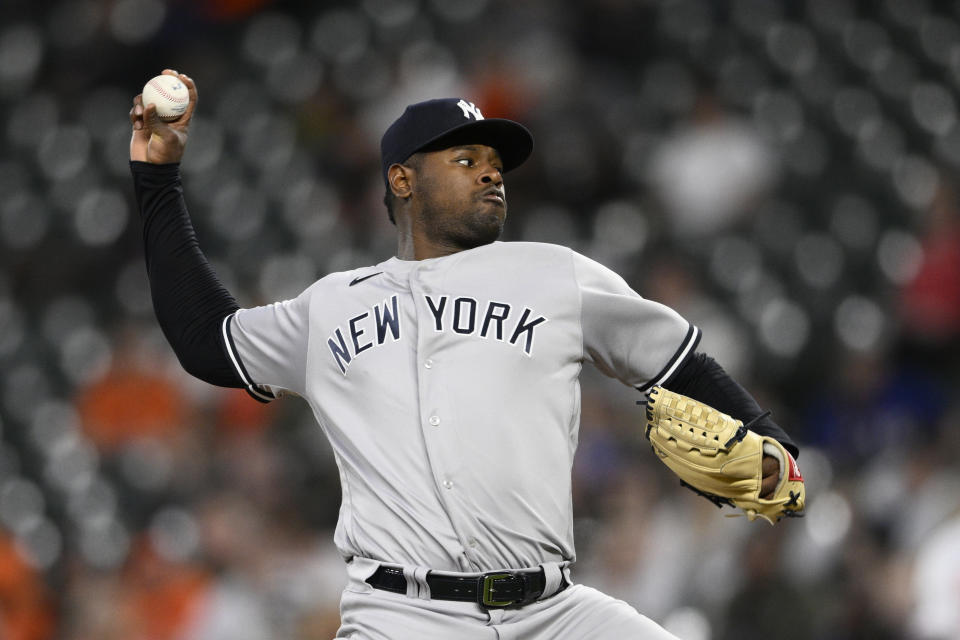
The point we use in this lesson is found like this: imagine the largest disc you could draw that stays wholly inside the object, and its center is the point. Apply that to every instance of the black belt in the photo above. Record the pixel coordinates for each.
(496, 589)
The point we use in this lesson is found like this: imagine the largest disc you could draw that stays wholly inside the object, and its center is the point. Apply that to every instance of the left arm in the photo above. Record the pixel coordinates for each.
(700, 377)
(644, 344)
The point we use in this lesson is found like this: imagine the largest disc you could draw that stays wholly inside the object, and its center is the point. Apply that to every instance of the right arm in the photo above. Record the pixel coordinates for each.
(190, 302)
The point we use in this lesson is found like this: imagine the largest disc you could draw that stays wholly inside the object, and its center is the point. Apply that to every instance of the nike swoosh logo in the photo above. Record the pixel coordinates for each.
(362, 278)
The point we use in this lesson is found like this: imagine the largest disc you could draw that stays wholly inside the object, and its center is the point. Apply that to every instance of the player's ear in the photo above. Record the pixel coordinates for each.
(399, 178)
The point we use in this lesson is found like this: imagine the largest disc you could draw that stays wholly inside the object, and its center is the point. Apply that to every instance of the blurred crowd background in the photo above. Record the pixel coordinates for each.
(782, 173)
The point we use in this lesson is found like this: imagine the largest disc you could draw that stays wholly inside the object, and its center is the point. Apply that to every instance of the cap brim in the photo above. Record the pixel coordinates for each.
(511, 139)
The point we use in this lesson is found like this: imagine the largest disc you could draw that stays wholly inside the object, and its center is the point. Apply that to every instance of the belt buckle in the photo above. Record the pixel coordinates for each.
(486, 596)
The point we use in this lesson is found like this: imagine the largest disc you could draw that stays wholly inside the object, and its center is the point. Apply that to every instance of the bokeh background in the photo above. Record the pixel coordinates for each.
(782, 173)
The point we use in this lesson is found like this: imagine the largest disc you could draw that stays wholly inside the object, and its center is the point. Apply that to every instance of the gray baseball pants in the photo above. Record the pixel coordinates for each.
(576, 613)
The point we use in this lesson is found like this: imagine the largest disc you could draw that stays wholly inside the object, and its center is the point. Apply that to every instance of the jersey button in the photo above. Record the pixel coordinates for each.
(434, 420)
(428, 364)
(447, 484)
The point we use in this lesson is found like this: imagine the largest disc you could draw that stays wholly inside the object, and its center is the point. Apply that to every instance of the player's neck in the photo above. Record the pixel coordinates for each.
(418, 246)
(414, 248)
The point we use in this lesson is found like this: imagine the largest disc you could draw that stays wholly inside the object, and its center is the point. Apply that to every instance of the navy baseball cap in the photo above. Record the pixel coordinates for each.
(447, 122)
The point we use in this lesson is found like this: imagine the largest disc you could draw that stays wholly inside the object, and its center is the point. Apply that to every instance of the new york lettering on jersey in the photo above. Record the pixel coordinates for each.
(365, 331)
(460, 315)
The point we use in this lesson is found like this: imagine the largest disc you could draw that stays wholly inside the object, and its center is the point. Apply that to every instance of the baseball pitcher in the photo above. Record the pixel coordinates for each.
(446, 380)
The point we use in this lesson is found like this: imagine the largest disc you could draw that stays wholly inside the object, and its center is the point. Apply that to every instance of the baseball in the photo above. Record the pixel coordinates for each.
(169, 94)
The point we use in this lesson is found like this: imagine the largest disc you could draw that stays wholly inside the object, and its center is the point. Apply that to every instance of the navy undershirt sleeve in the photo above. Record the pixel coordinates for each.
(700, 377)
(189, 300)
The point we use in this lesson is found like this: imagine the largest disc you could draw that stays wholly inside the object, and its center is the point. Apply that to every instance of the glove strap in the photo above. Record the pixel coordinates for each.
(758, 418)
(742, 431)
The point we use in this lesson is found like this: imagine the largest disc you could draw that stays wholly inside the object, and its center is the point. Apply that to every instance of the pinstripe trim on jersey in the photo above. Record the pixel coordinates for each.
(256, 391)
(690, 342)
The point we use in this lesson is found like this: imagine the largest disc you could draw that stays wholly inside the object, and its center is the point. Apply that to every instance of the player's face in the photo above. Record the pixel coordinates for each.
(460, 196)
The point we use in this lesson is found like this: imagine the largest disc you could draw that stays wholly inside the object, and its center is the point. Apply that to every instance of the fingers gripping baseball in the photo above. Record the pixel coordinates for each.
(155, 140)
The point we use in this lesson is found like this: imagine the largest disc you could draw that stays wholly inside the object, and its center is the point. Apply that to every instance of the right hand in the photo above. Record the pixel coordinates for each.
(154, 140)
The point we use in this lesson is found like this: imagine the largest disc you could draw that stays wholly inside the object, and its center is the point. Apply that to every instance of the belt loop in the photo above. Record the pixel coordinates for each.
(420, 575)
(553, 578)
(413, 585)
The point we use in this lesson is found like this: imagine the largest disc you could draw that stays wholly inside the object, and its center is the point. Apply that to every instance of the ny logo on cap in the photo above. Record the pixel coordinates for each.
(469, 108)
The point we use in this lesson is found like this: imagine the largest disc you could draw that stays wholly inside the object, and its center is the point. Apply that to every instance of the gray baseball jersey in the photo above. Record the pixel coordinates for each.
(448, 389)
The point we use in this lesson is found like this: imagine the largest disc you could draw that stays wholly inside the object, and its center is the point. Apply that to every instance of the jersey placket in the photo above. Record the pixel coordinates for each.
(437, 418)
